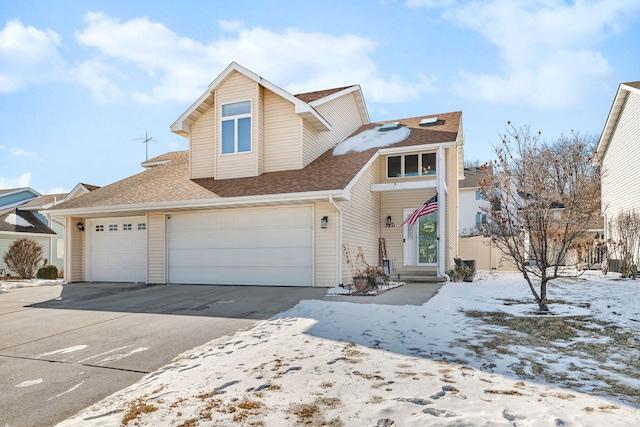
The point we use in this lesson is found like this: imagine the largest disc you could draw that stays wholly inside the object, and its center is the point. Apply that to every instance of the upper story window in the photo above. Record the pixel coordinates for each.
(410, 165)
(236, 127)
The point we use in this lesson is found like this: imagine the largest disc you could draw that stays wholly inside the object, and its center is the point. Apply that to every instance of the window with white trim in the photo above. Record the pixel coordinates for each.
(236, 127)
(142, 226)
(126, 227)
(113, 227)
(411, 165)
(99, 228)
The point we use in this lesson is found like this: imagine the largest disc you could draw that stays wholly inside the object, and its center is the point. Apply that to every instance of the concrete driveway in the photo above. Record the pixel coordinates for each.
(63, 348)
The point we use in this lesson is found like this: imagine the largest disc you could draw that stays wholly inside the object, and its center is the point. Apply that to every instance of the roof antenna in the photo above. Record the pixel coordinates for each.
(146, 140)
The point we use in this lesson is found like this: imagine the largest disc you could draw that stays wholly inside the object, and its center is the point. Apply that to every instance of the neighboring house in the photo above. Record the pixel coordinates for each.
(18, 221)
(21, 215)
(270, 189)
(619, 140)
(472, 202)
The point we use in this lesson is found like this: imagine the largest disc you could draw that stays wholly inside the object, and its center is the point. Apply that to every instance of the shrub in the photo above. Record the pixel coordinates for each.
(459, 272)
(23, 257)
(48, 272)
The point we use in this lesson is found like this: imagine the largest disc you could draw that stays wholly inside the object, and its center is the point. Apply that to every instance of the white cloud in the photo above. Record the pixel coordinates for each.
(55, 190)
(28, 55)
(231, 26)
(20, 152)
(22, 181)
(430, 3)
(181, 67)
(548, 48)
(97, 76)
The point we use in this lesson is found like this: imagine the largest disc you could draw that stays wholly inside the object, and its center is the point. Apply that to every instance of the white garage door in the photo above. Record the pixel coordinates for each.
(117, 249)
(271, 246)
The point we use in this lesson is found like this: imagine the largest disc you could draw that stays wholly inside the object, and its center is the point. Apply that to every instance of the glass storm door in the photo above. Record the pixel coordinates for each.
(428, 239)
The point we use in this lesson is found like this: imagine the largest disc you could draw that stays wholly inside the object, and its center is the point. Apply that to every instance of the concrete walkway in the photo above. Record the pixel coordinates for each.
(407, 294)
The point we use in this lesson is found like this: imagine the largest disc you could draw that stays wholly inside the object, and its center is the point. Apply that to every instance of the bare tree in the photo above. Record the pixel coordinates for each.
(544, 197)
(23, 257)
(626, 242)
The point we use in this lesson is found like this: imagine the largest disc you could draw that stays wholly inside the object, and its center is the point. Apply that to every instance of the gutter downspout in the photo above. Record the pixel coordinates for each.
(441, 214)
(339, 251)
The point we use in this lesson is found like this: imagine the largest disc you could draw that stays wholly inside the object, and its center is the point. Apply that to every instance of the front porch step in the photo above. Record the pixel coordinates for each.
(417, 276)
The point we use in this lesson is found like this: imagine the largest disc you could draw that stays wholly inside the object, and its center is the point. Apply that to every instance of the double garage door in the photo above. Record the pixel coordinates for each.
(269, 246)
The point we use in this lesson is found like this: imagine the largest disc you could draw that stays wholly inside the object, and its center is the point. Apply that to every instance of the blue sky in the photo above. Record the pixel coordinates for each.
(81, 82)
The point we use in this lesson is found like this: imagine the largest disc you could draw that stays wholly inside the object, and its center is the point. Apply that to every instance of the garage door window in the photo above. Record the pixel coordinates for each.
(99, 228)
(126, 227)
(142, 226)
(113, 227)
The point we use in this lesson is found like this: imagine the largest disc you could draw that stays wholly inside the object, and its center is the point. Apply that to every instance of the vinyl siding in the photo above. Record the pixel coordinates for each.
(7, 240)
(75, 259)
(326, 245)
(282, 134)
(16, 197)
(237, 88)
(393, 204)
(361, 220)
(342, 113)
(156, 248)
(619, 166)
(202, 150)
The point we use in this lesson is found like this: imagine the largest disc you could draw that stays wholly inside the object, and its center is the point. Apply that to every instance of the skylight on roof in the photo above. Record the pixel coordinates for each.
(389, 126)
(430, 121)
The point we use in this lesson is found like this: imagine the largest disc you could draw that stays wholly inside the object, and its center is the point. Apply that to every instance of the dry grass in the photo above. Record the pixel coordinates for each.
(562, 336)
(137, 408)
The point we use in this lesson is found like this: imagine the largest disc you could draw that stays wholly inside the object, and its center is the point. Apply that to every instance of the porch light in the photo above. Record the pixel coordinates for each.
(389, 222)
(324, 221)
(80, 226)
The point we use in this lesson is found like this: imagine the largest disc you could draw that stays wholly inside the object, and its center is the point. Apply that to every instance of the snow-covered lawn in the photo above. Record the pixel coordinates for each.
(471, 356)
(6, 285)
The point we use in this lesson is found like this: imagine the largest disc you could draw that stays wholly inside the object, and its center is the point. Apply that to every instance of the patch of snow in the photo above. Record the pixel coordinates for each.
(14, 219)
(6, 285)
(63, 351)
(371, 364)
(30, 383)
(67, 391)
(371, 138)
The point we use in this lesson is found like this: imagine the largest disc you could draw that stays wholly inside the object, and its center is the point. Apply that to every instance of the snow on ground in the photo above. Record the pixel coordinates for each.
(473, 355)
(5, 285)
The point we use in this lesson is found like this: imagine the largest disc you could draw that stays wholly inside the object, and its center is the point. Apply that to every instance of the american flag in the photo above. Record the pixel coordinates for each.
(428, 207)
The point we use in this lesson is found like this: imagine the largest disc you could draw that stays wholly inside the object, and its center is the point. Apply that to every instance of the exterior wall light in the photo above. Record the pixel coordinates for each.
(324, 221)
(389, 222)
(80, 226)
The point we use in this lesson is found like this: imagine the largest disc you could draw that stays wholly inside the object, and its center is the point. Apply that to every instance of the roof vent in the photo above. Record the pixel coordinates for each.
(431, 121)
(389, 126)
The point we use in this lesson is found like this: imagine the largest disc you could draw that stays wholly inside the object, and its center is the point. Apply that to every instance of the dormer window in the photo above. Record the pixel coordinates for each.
(236, 127)
(410, 165)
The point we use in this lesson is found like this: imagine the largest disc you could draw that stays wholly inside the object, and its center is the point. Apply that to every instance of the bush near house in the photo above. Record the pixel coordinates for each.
(48, 272)
(23, 257)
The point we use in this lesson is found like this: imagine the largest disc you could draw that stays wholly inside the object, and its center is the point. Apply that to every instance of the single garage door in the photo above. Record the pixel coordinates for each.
(117, 249)
(270, 246)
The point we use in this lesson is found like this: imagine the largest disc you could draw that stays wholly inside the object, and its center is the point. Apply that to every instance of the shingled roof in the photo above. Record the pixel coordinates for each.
(169, 182)
(12, 224)
(44, 200)
(319, 94)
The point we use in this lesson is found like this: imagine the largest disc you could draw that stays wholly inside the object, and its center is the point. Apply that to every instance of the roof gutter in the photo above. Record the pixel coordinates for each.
(218, 202)
(421, 147)
(339, 248)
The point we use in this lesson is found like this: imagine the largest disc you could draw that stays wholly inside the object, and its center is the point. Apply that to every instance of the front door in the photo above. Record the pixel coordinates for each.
(420, 240)
(428, 239)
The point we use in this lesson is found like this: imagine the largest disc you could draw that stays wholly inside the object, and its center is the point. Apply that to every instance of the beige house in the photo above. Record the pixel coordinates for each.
(619, 140)
(272, 188)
